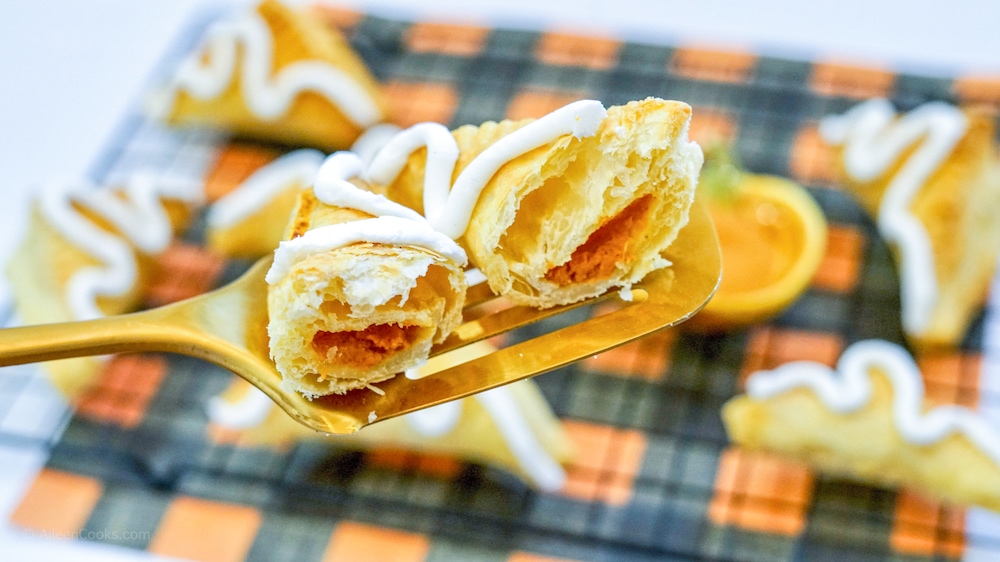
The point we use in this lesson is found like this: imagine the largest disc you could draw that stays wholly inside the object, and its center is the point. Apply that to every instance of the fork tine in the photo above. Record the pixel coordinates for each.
(478, 294)
(522, 360)
(665, 298)
(501, 321)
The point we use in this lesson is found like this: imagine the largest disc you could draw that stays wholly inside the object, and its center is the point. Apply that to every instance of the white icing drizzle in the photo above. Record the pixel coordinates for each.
(436, 421)
(442, 154)
(536, 462)
(207, 73)
(474, 276)
(140, 218)
(249, 411)
(416, 371)
(333, 188)
(873, 140)
(449, 207)
(379, 230)
(298, 167)
(393, 223)
(849, 389)
(252, 409)
(372, 139)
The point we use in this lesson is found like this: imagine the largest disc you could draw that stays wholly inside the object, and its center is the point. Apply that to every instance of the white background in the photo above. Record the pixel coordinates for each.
(69, 68)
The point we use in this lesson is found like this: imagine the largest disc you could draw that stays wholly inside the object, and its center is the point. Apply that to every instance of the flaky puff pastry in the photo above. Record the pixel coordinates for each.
(870, 421)
(276, 74)
(89, 252)
(930, 178)
(511, 428)
(576, 216)
(346, 317)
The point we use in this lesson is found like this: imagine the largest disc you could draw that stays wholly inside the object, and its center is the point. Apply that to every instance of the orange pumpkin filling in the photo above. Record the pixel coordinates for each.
(365, 348)
(605, 248)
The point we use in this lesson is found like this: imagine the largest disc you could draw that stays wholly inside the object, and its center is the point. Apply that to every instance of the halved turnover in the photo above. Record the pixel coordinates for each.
(361, 288)
(930, 179)
(557, 209)
(90, 251)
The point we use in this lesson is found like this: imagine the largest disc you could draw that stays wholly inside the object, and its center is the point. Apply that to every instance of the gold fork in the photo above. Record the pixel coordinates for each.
(228, 327)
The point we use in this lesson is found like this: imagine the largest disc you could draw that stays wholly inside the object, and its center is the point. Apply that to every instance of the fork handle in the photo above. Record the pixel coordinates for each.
(114, 334)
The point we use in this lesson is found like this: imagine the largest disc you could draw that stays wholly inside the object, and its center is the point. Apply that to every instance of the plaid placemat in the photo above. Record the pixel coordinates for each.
(138, 466)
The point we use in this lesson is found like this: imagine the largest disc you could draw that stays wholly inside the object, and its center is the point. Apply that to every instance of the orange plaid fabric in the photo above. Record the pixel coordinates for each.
(416, 102)
(608, 465)
(204, 530)
(181, 272)
(124, 389)
(924, 527)
(716, 65)
(356, 541)
(836, 78)
(768, 348)
(233, 165)
(458, 40)
(840, 269)
(761, 492)
(567, 49)
(532, 104)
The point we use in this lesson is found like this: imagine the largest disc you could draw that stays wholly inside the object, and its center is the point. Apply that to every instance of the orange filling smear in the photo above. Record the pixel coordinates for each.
(607, 246)
(366, 348)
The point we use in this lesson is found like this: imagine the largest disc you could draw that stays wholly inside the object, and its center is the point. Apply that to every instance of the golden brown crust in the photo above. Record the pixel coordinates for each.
(258, 234)
(958, 207)
(42, 266)
(312, 120)
(864, 444)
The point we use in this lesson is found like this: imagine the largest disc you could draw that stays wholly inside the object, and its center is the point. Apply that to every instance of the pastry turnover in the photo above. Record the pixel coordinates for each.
(87, 253)
(511, 427)
(361, 288)
(558, 209)
(869, 420)
(275, 74)
(931, 180)
(250, 221)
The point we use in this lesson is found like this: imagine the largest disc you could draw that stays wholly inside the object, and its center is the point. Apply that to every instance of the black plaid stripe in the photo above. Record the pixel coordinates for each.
(128, 515)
